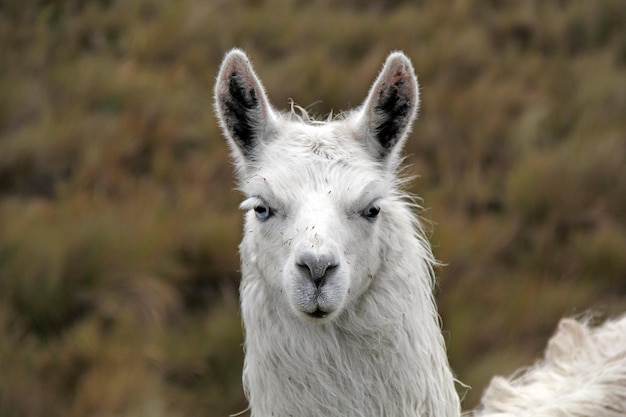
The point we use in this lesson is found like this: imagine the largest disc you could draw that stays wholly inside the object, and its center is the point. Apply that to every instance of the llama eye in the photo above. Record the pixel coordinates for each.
(371, 211)
(262, 211)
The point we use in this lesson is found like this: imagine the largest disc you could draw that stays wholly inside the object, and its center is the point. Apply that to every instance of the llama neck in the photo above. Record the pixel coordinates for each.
(383, 356)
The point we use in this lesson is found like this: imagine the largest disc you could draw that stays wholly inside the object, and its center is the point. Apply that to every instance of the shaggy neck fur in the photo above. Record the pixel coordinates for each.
(384, 356)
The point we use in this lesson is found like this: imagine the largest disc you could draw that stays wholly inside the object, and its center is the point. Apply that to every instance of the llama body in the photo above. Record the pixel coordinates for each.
(337, 282)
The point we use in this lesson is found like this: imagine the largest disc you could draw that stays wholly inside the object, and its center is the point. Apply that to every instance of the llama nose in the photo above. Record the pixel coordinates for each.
(317, 266)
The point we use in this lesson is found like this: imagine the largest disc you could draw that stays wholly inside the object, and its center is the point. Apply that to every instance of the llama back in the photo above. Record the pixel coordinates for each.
(583, 374)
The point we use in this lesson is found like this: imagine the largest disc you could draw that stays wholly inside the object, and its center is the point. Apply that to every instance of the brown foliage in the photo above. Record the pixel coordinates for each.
(119, 228)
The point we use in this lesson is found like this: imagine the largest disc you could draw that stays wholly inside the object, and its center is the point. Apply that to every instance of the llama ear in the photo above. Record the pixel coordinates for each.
(388, 112)
(241, 104)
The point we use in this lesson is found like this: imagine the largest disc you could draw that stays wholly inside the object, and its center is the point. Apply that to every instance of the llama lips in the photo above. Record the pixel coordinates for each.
(318, 314)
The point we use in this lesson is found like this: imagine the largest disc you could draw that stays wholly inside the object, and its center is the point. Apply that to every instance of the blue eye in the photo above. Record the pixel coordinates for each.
(371, 211)
(262, 211)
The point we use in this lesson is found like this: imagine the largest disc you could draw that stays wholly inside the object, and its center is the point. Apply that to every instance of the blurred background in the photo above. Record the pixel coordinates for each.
(119, 224)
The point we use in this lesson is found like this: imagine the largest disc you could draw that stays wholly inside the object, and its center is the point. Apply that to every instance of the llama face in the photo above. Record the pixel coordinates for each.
(312, 220)
(316, 192)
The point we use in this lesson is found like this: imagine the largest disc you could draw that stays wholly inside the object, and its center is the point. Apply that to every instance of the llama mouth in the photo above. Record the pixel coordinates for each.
(318, 314)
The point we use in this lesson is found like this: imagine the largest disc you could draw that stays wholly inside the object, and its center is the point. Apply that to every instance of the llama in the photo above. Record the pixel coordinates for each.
(337, 277)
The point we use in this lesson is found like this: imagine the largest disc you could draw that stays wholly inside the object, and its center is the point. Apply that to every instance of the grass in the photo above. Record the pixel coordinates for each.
(119, 226)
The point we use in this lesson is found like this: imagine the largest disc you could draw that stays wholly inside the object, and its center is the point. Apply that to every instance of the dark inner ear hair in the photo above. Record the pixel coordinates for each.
(239, 107)
(393, 109)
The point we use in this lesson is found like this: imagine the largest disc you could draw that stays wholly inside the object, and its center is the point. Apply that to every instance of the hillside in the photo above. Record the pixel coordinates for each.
(119, 223)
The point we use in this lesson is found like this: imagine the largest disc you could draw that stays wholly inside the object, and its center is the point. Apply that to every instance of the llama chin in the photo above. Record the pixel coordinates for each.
(337, 276)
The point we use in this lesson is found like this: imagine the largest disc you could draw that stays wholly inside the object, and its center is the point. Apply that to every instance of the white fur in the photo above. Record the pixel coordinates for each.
(367, 342)
(583, 373)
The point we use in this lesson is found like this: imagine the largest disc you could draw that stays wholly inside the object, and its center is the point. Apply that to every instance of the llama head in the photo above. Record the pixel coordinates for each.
(318, 193)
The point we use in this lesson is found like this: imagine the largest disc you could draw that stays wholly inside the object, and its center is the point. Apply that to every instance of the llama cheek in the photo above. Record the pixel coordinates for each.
(364, 266)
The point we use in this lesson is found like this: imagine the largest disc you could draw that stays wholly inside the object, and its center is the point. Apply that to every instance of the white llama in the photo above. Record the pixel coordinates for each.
(337, 281)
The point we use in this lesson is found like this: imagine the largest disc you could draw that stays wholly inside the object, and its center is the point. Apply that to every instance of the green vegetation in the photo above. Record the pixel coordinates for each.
(119, 226)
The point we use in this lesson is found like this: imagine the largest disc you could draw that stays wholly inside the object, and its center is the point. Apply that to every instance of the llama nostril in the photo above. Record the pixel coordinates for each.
(317, 267)
(318, 281)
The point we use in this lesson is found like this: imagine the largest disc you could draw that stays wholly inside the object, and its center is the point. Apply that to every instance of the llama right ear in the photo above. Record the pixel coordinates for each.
(386, 117)
(241, 104)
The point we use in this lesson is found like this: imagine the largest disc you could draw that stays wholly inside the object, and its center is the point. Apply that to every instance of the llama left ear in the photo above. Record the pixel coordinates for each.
(387, 115)
(241, 105)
